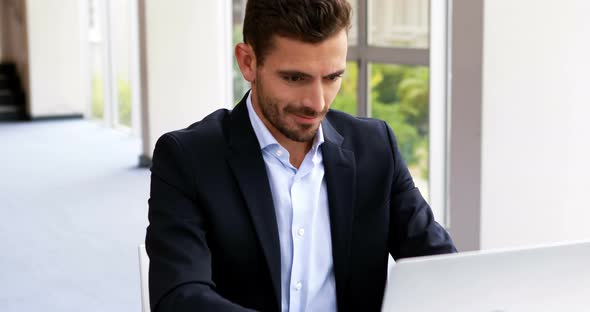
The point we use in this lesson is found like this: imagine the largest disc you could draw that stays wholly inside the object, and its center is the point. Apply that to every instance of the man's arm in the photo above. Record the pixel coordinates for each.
(180, 260)
(413, 230)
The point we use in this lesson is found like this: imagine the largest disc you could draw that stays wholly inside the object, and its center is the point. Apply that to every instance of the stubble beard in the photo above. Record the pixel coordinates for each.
(298, 132)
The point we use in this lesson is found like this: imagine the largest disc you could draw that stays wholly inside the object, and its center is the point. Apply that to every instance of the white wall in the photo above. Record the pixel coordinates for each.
(56, 63)
(188, 63)
(536, 122)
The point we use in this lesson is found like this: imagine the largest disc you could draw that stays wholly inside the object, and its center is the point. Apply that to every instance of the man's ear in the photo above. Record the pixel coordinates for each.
(246, 60)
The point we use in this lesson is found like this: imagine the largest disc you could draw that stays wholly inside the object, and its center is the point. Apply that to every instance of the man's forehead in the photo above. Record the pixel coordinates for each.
(278, 40)
(292, 54)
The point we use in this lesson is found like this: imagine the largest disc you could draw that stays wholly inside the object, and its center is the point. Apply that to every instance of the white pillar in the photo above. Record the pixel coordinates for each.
(57, 59)
(188, 64)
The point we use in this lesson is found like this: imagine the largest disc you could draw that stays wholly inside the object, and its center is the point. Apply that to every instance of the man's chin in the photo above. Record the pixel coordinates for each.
(301, 136)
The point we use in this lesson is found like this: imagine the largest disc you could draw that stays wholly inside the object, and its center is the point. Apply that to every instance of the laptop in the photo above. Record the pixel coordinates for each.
(545, 278)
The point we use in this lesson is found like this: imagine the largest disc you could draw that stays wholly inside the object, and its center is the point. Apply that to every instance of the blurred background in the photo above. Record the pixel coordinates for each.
(488, 99)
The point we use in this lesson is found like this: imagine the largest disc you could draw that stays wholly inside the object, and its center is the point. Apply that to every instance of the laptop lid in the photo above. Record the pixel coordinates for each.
(545, 278)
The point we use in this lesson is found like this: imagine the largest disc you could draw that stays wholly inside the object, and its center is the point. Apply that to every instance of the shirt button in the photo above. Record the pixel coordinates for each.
(298, 286)
(301, 231)
(279, 153)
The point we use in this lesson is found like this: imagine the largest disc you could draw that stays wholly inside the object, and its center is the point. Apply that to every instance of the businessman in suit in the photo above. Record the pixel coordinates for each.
(282, 204)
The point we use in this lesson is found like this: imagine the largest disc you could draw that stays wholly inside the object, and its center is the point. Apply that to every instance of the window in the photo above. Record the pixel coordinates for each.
(397, 73)
(114, 72)
(398, 23)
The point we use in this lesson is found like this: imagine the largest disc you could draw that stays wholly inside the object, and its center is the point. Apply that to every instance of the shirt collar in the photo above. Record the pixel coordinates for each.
(266, 139)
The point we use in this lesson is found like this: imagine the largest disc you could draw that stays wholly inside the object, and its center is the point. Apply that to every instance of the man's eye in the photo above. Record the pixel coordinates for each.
(335, 77)
(293, 78)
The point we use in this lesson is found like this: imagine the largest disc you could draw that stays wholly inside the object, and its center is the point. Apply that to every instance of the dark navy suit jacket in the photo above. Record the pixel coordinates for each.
(213, 240)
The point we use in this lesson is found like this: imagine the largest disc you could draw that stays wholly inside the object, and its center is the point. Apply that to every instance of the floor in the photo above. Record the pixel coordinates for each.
(73, 209)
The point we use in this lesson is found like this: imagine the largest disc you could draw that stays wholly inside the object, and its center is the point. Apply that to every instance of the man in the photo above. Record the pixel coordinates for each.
(282, 204)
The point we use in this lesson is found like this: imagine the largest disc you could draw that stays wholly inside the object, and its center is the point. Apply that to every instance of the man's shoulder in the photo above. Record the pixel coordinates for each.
(209, 130)
(352, 127)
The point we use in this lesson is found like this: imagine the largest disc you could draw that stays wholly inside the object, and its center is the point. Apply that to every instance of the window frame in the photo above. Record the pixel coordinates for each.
(100, 36)
(436, 57)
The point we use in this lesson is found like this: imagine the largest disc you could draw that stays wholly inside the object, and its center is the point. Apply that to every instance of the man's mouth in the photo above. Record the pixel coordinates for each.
(306, 118)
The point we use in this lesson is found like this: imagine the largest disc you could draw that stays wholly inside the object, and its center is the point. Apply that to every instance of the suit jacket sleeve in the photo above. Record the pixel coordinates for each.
(413, 230)
(180, 260)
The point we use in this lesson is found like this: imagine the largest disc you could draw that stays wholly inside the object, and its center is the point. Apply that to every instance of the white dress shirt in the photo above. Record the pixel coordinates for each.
(301, 206)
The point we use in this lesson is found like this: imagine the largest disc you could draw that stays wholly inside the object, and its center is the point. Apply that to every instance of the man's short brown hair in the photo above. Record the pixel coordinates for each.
(310, 21)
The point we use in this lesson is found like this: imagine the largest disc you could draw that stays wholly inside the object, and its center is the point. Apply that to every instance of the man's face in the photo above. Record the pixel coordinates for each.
(297, 83)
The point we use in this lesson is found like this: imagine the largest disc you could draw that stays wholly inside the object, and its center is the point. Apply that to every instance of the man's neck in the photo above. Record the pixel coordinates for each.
(297, 150)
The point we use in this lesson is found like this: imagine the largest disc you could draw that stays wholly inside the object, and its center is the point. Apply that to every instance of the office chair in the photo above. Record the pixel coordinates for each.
(144, 263)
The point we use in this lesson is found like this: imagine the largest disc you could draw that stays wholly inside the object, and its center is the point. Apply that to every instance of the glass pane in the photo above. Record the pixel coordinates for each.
(400, 96)
(120, 39)
(96, 61)
(238, 12)
(97, 87)
(399, 23)
(353, 33)
(346, 99)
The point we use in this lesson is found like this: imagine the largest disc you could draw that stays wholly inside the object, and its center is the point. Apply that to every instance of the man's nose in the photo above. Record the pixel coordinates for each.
(314, 97)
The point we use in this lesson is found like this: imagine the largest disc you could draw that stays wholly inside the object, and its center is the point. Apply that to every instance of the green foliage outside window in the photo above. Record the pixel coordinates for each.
(124, 101)
(400, 97)
(346, 99)
(123, 96)
(97, 97)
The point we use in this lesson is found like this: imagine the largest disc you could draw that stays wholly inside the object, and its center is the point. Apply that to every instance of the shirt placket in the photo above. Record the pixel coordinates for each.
(297, 284)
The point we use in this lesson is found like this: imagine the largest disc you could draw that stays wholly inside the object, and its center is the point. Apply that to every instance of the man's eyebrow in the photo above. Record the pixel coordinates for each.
(293, 73)
(337, 73)
(305, 75)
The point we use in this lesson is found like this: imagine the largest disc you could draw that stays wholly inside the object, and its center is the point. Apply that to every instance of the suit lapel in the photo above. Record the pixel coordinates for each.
(340, 173)
(250, 171)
